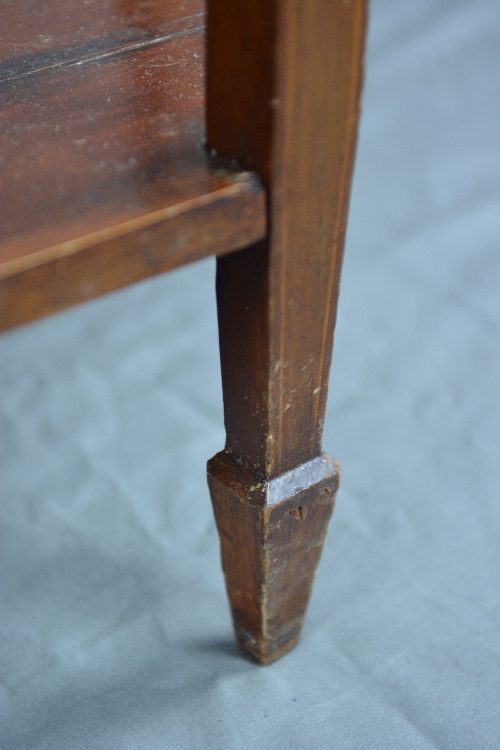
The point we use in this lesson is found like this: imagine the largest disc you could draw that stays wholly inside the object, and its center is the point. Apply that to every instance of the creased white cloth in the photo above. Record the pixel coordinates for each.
(115, 631)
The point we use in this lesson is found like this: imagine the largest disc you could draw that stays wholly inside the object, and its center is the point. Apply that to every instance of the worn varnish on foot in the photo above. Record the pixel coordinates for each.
(271, 536)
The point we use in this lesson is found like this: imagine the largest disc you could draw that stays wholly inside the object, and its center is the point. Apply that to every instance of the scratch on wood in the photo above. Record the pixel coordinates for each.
(101, 49)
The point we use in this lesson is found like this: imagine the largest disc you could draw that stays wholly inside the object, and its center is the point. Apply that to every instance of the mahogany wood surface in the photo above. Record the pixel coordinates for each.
(271, 535)
(104, 179)
(289, 112)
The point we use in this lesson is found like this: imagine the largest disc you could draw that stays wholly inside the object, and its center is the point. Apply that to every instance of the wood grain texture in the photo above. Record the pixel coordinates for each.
(39, 26)
(114, 249)
(289, 112)
(272, 534)
(104, 175)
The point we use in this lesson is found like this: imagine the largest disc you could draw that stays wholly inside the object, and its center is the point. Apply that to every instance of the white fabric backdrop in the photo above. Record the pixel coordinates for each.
(115, 627)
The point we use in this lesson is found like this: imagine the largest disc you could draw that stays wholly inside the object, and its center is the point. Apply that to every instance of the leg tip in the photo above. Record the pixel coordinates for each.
(271, 534)
(264, 651)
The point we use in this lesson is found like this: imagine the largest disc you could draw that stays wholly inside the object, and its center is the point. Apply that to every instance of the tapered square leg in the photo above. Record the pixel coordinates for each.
(283, 90)
(271, 535)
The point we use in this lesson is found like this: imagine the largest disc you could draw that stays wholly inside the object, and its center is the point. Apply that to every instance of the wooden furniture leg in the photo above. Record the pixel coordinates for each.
(283, 87)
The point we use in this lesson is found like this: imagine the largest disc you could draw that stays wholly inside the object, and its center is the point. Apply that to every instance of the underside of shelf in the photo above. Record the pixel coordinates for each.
(104, 176)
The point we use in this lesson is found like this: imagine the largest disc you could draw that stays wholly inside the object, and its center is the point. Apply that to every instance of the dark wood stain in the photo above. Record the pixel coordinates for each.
(283, 89)
(271, 547)
(290, 113)
(105, 180)
(71, 53)
(101, 145)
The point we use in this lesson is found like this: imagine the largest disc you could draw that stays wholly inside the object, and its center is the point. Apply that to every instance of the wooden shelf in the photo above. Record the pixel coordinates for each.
(104, 177)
